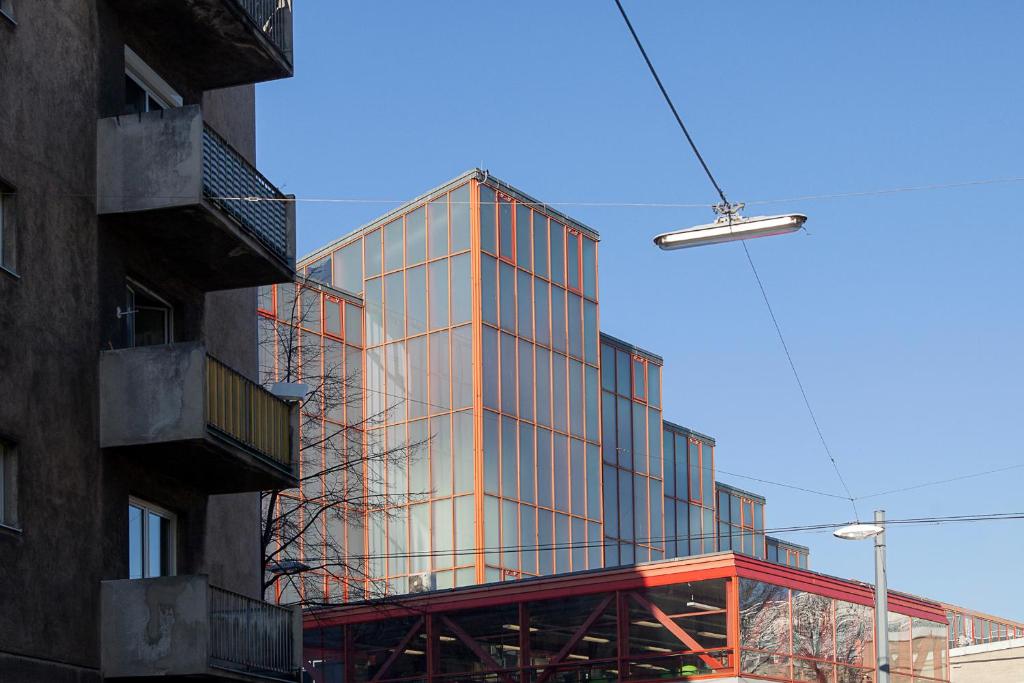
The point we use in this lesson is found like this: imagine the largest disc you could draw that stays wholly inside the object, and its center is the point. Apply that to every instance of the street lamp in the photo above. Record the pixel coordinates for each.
(859, 532)
(730, 226)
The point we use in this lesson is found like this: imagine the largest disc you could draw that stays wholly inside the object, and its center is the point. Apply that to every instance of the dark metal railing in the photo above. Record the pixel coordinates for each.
(247, 412)
(251, 635)
(231, 183)
(274, 18)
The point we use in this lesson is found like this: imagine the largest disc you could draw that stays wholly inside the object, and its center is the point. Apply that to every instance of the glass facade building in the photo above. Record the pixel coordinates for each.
(721, 615)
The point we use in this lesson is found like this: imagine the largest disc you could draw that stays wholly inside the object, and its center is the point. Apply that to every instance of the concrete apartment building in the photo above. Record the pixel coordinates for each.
(133, 439)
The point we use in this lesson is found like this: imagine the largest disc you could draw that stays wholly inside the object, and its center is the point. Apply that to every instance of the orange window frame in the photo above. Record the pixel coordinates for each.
(574, 234)
(499, 197)
(633, 369)
(272, 311)
(329, 300)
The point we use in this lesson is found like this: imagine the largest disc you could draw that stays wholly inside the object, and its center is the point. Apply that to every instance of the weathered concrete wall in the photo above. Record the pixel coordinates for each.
(61, 70)
(152, 394)
(1001, 662)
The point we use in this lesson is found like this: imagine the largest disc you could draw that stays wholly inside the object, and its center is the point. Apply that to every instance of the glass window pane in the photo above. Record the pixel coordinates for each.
(374, 303)
(524, 234)
(158, 530)
(460, 219)
(441, 456)
(639, 379)
(438, 227)
(575, 398)
(624, 381)
(462, 291)
(557, 253)
(416, 300)
(492, 452)
(418, 397)
(625, 505)
(609, 442)
(465, 529)
(560, 465)
(438, 294)
(624, 432)
(592, 408)
(527, 462)
(528, 537)
(540, 244)
(507, 296)
(653, 440)
(707, 469)
(526, 390)
(135, 542)
(416, 236)
(440, 383)
(372, 253)
(589, 268)
(332, 316)
(489, 289)
(543, 386)
(394, 298)
(544, 483)
(524, 300)
(590, 332)
(394, 250)
(348, 267)
(545, 556)
(558, 334)
(559, 407)
(572, 261)
(508, 374)
(578, 477)
(541, 316)
(653, 385)
(462, 449)
(510, 534)
(490, 370)
(488, 239)
(443, 533)
(505, 228)
(607, 367)
(462, 366)
(562, 538)
(509, 458)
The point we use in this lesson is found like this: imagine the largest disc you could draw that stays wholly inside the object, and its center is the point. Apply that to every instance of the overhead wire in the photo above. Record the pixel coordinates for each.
(728, 209)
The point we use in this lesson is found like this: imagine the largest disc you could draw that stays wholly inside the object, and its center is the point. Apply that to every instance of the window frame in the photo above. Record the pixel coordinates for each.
(150, 81)
(131, 286)
(7, 11)
(8, 228)
(500, 197)
(572, 233)
(146, 507)
(8, 485)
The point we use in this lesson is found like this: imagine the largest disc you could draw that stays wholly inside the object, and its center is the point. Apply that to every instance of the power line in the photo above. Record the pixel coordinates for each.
(941, 481)
(575, 545)
(728, 210)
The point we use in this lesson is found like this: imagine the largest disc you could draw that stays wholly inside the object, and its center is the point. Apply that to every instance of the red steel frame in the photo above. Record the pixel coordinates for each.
(619, 584)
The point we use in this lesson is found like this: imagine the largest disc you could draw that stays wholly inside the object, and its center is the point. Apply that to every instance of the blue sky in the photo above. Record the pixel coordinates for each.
(902, 311)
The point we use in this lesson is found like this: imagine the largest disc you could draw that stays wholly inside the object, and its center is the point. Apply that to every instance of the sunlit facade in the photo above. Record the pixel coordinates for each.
(970, 627)
(717, 616)
(516, 440)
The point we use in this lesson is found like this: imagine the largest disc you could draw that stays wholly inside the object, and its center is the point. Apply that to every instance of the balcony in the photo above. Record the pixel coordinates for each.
(181, 626)
(173, 184)
(181, 410)
(213, 43)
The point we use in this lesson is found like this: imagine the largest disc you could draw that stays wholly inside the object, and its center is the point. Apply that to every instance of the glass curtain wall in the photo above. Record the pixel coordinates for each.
(314, 335)
(634, 471)
(689, 491)
(792, 635)
(966, 628)
(540, 389)
(784, 552)
(740, 521)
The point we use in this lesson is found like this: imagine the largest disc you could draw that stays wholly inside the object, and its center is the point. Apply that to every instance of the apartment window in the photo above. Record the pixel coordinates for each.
(7, 10)
(144, 89)
(149, 318)
(152, 537)
(7, 226)
(8, 485)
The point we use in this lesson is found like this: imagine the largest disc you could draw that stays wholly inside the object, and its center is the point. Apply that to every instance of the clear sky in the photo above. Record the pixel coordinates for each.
(903, 311)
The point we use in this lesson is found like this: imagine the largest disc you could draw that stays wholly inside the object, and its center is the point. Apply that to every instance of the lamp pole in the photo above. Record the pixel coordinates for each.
(881, 602)
(859, 532)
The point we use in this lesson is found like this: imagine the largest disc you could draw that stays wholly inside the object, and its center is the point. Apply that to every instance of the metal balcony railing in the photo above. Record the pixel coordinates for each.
(232, 184)
(248, 413)
(251, 635)
(274, 19)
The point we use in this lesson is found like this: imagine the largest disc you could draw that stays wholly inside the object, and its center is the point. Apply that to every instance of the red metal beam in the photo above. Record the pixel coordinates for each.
(469, 642)
(397, 652)
(673, 628)
(576, 638)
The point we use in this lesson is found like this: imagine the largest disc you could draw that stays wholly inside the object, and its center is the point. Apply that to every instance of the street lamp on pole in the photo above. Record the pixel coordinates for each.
(859, 532)
(730, 226)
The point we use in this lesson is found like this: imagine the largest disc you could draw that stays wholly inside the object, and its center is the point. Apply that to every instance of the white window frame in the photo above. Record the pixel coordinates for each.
(131, 287)
(149, 80)
(147, 508)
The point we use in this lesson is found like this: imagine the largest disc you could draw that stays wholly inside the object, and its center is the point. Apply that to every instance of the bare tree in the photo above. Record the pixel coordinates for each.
(348, 472)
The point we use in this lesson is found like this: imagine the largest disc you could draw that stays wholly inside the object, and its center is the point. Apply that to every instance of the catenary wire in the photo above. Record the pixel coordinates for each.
(569, 545)
(941, 481)
(750, 260)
